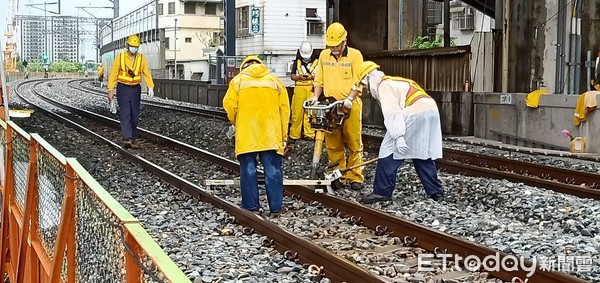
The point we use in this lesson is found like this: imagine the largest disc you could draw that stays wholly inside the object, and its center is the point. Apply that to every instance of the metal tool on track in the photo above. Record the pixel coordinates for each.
(337, 173)
(324, 118)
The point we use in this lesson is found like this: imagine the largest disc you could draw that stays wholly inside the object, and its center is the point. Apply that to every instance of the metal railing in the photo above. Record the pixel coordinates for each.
(60, 225)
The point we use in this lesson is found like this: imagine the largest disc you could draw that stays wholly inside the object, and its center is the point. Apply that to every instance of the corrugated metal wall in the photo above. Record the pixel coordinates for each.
(439, 69)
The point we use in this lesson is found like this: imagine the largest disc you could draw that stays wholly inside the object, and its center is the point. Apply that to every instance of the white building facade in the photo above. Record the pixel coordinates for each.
(465, 21)
(191, 27)
(274, 30)
(199, 27)
(141, 21)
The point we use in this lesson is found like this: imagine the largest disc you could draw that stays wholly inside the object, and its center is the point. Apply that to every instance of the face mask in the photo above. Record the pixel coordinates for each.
(133, 49)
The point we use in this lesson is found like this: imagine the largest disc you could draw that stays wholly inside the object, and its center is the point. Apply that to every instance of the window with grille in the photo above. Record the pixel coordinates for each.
(210, 9)
(171, 8)
(189, 8)
(311, 13)
(434, 16)
(167, 43)
(314, 28)
(242, 26)
(188, 40)
(218, 38)
(314, 25)
(463, 18)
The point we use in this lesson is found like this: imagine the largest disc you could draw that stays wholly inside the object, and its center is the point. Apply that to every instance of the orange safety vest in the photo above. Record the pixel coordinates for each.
(414, 93)
(124, 76)
(301, 72)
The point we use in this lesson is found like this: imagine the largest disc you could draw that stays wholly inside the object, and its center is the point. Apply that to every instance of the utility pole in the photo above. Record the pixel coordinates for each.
(446, 23)
(98, 20)
(175, 50)
(45, 30)
(112, 27)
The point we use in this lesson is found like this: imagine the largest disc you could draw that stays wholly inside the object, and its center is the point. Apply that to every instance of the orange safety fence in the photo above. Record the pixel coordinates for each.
(60, 225)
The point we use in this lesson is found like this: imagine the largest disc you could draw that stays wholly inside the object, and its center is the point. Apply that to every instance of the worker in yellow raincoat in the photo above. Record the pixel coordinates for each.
(303, 71)
(126, 75)
(100, 74)
(258, 107)
(337, 79)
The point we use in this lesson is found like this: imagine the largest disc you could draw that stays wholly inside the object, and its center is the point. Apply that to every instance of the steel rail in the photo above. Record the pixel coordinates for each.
(426, 238)
(577, 183)
(517, 149)
(430, 239)
(336, 268)
(211, 113)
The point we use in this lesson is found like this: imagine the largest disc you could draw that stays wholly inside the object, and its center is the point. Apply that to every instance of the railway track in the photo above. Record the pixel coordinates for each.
(578, 183)
(381, 223)
(79, 84)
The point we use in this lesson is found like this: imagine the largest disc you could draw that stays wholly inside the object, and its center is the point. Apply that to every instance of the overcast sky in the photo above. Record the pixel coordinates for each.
(68, 8)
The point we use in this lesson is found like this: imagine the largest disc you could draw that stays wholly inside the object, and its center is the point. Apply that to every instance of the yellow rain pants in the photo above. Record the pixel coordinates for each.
(299, 116)
(350, 136)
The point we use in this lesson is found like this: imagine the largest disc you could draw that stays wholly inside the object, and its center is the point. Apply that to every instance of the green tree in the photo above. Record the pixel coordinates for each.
(424, 42)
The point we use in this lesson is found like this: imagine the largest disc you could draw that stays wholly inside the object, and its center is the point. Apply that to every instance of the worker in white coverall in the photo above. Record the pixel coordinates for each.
(414, 132)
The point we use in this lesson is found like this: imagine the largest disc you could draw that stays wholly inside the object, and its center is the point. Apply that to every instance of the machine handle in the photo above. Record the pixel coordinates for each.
(320, 106)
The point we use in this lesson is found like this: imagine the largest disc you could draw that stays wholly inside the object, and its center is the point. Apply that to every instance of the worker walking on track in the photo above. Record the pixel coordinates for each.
(414, 132)
(303, 71)
(257, 105)
(126, 75)
(337, 78)
(100, 74)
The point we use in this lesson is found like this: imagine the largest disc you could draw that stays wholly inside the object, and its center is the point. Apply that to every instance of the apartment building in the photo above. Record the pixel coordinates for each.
(56, 37)
(65, 39)
(32, 39)
(465, 22)
(274, 30)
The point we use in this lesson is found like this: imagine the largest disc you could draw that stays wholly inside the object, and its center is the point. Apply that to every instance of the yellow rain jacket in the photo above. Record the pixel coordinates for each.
(257, 105)
(533, 98)
(585, 103)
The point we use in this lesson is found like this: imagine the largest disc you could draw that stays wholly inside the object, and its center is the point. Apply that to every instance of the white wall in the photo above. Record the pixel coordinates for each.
(200, 66)
(284, 29)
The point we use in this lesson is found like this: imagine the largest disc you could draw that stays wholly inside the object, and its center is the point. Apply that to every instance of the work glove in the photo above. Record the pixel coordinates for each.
(112, 106)
(151, 92)
(311, 101)
(401, 145)
(231, 132)
(348, 102)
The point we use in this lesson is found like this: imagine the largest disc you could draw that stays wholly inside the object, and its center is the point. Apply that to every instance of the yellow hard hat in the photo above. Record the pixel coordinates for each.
(366, 68)
(133, 40)
(335, 34)
(251, 58)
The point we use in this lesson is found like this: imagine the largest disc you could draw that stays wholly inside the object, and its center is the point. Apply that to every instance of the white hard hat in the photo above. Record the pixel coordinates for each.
(306, 50)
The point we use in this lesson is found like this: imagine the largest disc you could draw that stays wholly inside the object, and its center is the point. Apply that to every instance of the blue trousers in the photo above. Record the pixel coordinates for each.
(271, 161)
(387, 172)
(129, 98)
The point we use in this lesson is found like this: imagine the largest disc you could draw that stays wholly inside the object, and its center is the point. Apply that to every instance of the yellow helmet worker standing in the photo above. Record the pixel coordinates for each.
(258, 106)
(100, 74)
(337, 79)
(303, 73)
(126, 75)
